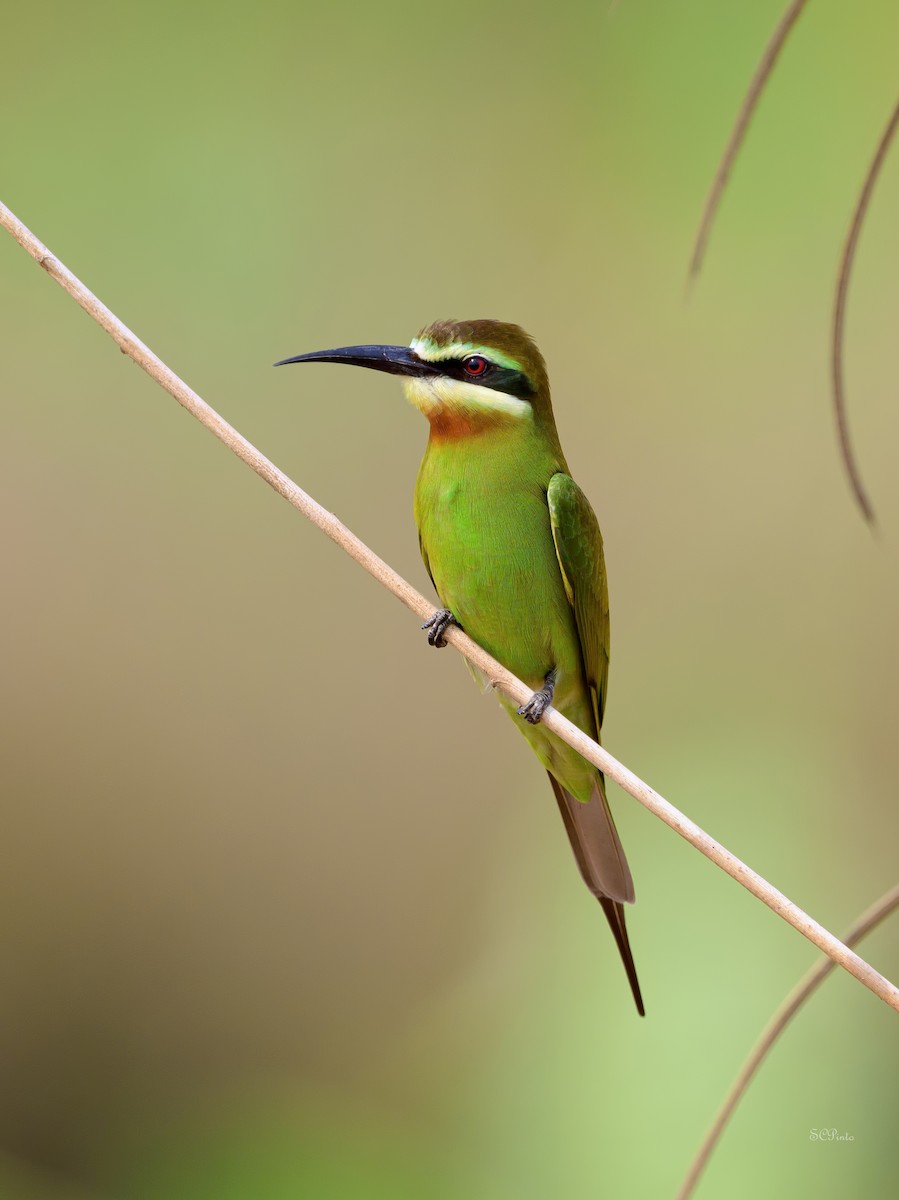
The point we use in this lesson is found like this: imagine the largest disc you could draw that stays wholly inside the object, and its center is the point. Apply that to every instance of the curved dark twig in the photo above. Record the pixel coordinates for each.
(839, 317)
(772, 1031)
(738, 133)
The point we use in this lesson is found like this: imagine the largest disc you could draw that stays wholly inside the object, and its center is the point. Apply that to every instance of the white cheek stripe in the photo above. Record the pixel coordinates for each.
(440, 394)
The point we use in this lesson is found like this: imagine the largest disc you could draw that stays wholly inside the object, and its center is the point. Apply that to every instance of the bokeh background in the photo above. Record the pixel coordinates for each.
(286, 907)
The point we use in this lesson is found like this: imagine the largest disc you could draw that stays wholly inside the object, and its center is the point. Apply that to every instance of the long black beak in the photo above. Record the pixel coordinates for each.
(396, 360)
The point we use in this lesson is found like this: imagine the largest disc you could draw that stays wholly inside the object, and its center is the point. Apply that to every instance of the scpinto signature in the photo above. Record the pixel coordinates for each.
(829, 1135)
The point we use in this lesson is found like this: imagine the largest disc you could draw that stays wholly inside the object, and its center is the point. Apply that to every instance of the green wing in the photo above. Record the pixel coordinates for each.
(579, 551)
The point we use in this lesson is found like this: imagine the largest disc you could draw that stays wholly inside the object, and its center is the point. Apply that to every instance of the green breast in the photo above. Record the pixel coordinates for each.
(483, 520)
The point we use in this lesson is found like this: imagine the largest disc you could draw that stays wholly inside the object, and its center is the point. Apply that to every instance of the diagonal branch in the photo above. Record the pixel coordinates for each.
(738, 133)
(495, 672)
(839, 316)
(812, 979)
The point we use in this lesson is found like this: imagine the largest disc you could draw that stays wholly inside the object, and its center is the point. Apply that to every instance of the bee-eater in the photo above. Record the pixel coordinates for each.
(514, 551)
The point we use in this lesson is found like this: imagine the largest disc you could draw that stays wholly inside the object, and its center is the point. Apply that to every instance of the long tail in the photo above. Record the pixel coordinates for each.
(602, 864)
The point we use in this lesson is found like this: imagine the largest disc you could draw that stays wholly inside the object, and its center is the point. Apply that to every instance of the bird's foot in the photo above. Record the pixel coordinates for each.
(437, 625)
(539, 702)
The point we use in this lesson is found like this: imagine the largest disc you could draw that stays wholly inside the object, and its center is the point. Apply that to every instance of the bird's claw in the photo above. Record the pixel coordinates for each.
(535, 707)
(540, 701)
(437, 626)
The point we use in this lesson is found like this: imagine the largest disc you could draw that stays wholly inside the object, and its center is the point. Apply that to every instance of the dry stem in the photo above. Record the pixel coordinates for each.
(839, 316)
(738, 133)
(772, 1031)
(713, 202)
(500, 677)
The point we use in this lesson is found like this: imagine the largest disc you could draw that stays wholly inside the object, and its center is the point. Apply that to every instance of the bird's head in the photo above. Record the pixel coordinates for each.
(465, 376)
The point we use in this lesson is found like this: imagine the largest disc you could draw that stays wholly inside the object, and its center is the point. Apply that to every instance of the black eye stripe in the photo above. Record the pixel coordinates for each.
(499, 379)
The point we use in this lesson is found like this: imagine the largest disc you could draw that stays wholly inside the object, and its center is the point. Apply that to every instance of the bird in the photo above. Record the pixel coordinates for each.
(515, 554)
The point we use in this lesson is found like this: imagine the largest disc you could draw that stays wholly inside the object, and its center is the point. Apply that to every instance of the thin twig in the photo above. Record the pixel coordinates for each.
(738, 133)
(772, 1031)
(839, 317)
(497, 674)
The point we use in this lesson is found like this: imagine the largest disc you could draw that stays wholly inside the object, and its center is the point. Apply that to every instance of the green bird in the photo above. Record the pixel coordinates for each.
(514, 551)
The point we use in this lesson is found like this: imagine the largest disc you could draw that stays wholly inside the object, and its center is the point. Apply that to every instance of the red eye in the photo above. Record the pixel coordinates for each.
(474, 365)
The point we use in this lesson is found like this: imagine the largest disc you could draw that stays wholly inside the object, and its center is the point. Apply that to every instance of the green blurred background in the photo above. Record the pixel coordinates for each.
(286, 908)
